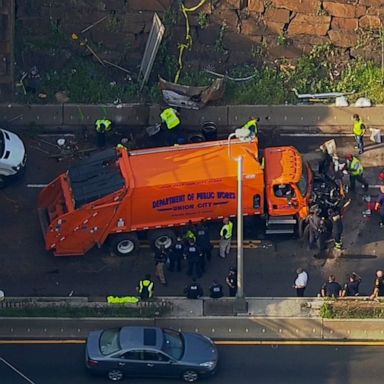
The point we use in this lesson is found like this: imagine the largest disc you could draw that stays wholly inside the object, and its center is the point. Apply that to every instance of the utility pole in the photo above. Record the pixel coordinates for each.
(240, 258)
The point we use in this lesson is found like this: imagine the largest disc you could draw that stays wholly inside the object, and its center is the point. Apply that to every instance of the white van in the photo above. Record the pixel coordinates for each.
(12, 156)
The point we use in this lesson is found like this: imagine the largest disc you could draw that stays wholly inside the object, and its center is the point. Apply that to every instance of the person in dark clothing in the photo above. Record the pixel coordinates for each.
(176, 255)
(193, 255)
(378, 290)
(331, 288)
(379, 206)
(337, 227)
(204, 243)
(231, 281)
(351, 287)
(193, 290)
(325, 163)
(314, 221)
(161, 256)
(216, 290)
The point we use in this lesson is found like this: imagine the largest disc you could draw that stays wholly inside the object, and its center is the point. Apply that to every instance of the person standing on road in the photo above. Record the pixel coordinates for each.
(204, 243)
(300, 282)
(351, 287)
(379, 207)
(193, 255)
(170, 122)
(216, 290)
(193, 290)
(231, 281)
(359, 131)
(355, 170)
(102, 126)
(331, 288)
(176, 255)
(145, 287)
(337, 227)
(251, 125)
(378, 290)
(225, 238)
(161, 256)
(314, 221)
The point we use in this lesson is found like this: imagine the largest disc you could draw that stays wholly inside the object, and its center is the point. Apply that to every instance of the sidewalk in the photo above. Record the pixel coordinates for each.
(267, 319)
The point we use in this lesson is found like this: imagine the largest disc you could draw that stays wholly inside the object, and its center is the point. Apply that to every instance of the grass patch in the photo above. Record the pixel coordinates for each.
(349, 309)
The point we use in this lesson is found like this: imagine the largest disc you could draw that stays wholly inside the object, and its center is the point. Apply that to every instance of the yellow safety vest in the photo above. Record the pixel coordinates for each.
(358, 128)
(103, 125)
(148, 284)
(229, 228)
(170, 118)
(251, 125)
(190, 235)
(122, 300)
(354, 167)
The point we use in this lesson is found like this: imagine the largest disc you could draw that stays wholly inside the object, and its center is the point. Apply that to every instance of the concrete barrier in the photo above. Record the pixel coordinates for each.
(335, 119)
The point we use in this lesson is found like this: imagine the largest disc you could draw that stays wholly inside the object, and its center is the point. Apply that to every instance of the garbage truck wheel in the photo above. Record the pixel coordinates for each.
(124, 244)
(161, 237)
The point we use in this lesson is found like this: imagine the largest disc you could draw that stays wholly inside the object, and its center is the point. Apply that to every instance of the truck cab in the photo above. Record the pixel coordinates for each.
(288, 189)
(12, 156)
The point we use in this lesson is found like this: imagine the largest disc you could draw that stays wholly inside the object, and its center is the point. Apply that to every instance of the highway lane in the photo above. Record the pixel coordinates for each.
(274, 364)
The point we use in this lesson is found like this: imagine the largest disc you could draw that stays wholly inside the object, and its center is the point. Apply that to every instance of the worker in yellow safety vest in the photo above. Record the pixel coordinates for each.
(251, 125)
(355, 170)
(225, 237)
(170, 122)
(145, 287)
(359, 131)
(102, 126)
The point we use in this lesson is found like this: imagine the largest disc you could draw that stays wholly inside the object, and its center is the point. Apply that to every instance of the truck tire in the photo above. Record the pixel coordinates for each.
(159, 237)
(3, 182)
(124, 244)
(300, 228)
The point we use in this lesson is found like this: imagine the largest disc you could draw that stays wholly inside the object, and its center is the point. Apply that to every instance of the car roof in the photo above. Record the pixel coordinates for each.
(139, 337)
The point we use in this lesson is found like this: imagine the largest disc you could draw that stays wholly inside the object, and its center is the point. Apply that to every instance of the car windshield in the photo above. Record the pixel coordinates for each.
(173, 343)
(303, 183)
(110, 341)
(2, 144)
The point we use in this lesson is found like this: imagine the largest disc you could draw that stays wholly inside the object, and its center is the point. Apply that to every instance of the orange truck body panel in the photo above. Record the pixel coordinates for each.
(149, 189)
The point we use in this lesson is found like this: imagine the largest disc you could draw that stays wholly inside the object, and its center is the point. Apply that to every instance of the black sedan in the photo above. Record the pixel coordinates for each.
(150, 352)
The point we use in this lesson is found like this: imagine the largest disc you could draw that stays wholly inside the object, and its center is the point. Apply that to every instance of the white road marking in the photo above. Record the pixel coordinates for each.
(17, 371)
(309, 134)
(36, 185)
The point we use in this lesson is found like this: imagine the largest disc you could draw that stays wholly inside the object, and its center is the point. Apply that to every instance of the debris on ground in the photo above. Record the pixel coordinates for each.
(190, 97)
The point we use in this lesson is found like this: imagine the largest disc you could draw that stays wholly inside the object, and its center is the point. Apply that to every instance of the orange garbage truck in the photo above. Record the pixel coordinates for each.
(121, 196)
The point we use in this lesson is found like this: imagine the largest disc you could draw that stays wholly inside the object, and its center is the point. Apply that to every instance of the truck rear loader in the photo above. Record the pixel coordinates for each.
(123, 196)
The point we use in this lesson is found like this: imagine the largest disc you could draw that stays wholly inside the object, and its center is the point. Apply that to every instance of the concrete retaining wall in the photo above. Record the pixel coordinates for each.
(324, 117)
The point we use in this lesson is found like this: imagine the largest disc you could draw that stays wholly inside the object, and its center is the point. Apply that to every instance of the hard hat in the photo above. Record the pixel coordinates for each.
(381, 175)
(349, 157)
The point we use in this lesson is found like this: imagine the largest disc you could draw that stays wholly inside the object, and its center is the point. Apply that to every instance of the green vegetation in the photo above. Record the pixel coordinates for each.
(86, 81)
(347, 309)
(149, 310)
(203, 20)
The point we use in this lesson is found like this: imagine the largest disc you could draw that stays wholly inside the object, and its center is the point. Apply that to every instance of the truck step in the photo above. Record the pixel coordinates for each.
(273, 220)
(280, 229)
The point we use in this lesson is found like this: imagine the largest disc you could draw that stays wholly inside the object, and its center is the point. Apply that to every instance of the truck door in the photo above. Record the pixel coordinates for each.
(282, 199)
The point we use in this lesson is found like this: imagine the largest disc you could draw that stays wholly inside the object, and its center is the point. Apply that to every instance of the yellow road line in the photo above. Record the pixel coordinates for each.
(299, 342)
(223, 342)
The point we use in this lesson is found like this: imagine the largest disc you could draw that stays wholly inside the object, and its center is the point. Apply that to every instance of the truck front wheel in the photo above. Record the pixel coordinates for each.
(124, 244)
(161, 237)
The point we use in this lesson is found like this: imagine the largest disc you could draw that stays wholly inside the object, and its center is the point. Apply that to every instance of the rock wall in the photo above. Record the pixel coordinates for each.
(224, 32)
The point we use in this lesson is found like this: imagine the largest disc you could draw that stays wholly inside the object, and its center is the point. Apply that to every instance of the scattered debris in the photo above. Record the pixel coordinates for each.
(319, 96)
(191, 97)
(229, 77)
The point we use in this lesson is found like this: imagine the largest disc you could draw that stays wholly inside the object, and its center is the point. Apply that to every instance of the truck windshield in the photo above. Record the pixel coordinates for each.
(303, 183)
(2, 144)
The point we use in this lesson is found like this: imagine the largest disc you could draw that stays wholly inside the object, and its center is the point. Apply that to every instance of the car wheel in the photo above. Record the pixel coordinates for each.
(3, 182)
(124, 244)
(115, 375)
(190, 376)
